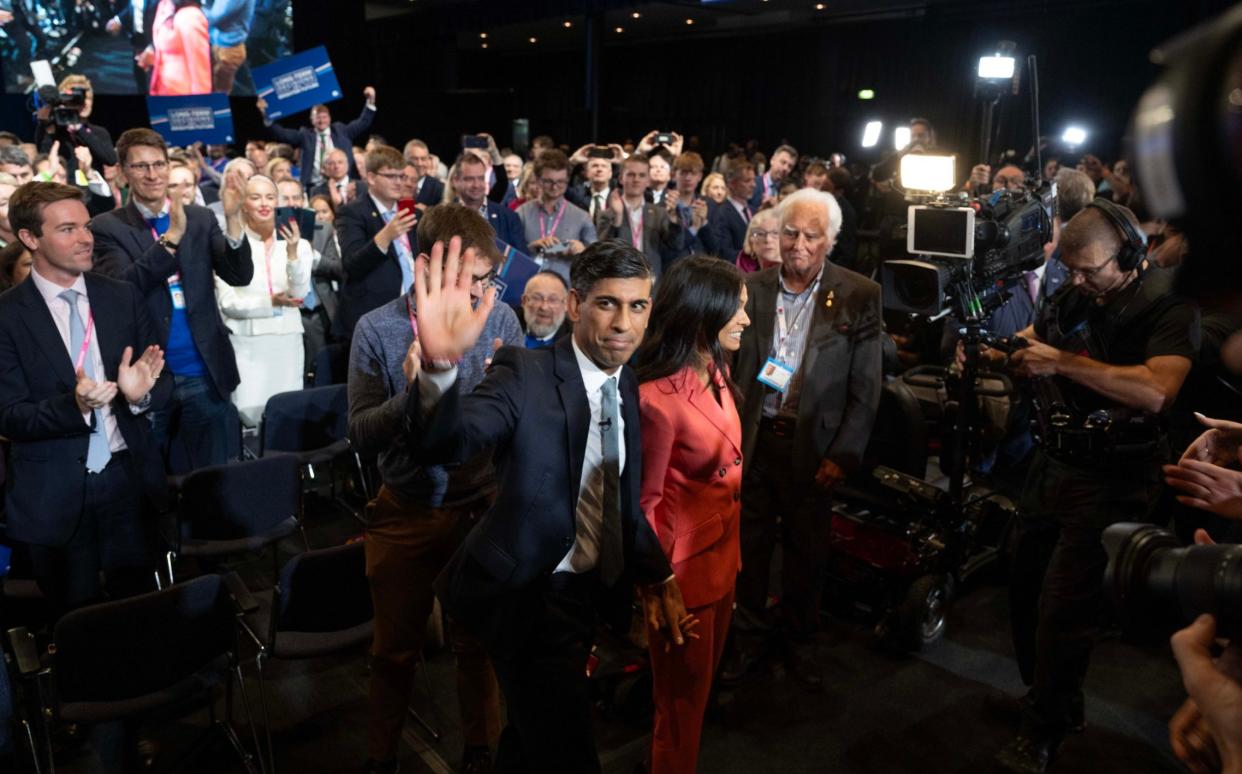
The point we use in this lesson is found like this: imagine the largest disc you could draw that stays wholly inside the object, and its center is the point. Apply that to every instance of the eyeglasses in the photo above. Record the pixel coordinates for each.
(761, 235)
(550, 183)
(539, 299)
(144, 168)
(485, 280)
(792, 235)
(1087, 274)
(395, 177)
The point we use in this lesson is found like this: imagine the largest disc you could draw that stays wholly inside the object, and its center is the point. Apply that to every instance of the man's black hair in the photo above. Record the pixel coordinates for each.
(608, 259)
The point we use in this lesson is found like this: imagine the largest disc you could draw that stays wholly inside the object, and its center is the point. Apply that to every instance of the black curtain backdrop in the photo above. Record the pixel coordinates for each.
(797, 86)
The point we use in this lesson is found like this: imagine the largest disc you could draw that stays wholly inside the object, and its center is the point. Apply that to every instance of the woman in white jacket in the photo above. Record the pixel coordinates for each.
(266, 328)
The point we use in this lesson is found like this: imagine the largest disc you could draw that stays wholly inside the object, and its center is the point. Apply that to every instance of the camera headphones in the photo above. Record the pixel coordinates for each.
(1133, 242)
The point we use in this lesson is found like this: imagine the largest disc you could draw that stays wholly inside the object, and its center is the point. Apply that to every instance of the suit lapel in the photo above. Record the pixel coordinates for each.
(38, 320)
(823, 316)
(140, 230)
(765, 312)
(573, 397)
(723, 415)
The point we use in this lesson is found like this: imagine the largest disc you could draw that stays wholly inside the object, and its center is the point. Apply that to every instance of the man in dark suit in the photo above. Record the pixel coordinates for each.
(137, 27)
(768, 187)
(322, 136)
(336, 183)
(170, 252)
(376, 241)
(469, 181)
(428, 190)
(566, 535)
(652, 228)
(82, 366)
(809, 368)
(726, 226)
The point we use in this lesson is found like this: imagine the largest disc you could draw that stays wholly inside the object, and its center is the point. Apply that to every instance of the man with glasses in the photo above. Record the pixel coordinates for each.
(170, 251)
(377, 246)
(422, 511)
(809, 371)
(554, 225)
(1118, 342)
(543, 309)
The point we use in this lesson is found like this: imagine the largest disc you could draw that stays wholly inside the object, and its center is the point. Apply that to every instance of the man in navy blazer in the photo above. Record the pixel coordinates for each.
(469, 181)
(170, 252)
(566, 536)
(81, 366)
(428, 189)
(377, 242)
(725, 232)
(768, 187)
(322, 136)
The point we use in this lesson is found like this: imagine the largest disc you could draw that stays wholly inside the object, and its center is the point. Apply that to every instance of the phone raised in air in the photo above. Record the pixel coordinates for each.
(600, 152)
(474, 141)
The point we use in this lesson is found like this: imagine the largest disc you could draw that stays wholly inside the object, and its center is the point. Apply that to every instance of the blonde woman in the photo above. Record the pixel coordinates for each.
(262, 317)
(714, 188)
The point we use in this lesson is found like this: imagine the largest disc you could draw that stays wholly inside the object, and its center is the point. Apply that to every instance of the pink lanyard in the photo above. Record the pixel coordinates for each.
(544, 232)
(636, 228)
(86, 341)
(413, 320)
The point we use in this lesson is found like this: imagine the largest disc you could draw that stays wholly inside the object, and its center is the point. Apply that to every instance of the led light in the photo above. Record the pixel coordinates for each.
(996, 67)
(920, 172)
(1074, 135)
(636, 15)
(866, 93)
(483, 35)
(819, 6)
(689, 21)
(901, 137)
(484, 45)
(620, 29)
(567, 24)
(871, 133)
(533, 39)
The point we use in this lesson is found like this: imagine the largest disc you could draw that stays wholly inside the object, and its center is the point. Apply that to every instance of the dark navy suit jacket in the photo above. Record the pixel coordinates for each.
(506, 224)
(125, 249)
(343, 137)
(725, 232)
(40, 416)
(372, 278)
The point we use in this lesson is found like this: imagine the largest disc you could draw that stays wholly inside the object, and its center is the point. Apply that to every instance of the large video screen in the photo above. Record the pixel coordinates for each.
(159, 47)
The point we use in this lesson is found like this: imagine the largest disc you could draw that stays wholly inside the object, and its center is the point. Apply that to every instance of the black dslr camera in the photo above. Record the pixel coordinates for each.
(66, 106)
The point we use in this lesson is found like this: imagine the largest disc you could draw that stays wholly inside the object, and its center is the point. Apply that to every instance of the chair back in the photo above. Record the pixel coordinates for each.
(331, 365)
(240, 500)
(133, 647)
(179, 457)
(324, 590)
(304, 420)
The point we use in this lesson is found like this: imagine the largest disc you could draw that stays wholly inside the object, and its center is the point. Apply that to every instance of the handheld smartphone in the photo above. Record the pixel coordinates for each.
(406, 205)
(600, 152)
(304, 217)
(664, 138)
(474, 141)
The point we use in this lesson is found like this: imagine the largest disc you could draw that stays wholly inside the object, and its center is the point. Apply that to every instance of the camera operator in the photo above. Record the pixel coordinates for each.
(1116, 340)
(59, 123)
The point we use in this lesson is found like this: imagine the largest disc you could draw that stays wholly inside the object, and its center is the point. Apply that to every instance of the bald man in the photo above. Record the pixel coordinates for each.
(336, 184)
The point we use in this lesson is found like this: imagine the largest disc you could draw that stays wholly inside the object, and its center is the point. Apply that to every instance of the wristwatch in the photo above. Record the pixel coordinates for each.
(168, 243)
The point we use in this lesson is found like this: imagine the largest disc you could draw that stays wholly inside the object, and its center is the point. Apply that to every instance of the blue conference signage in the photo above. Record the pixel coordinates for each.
(515, 269)
(195, 118)
(297, 82)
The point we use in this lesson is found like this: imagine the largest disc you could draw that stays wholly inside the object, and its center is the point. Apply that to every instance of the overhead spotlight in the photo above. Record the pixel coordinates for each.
(636, 15)
(1074, 135)
(483, 35)
(620, 30)
(484, 45)
(533, 39)
(567, 24)
(689, 21)
(866, 93)
(901, 137)
(819, 6)
(996, 67)
(871, 133)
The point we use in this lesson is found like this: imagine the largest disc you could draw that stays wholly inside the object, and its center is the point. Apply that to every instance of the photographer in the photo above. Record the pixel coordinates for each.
(1116, 340)
(68, 124)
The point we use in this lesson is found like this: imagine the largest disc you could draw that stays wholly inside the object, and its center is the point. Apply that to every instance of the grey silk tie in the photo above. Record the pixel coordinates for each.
(611, 550)
(97, 453)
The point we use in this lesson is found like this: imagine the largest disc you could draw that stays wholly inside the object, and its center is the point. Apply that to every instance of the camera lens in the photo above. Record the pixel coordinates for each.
(1158, 585)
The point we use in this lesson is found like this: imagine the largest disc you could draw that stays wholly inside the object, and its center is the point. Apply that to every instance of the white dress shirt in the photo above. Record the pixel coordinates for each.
(56, 305)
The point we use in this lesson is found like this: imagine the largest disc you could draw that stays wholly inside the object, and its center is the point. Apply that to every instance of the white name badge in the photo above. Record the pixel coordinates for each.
(175, 290)
(775, 374)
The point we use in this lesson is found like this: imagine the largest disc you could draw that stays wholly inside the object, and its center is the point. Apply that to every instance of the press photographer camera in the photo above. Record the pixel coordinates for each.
(63, 112)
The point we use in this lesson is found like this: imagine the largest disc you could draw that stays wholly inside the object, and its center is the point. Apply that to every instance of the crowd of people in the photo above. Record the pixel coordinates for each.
(710, 336)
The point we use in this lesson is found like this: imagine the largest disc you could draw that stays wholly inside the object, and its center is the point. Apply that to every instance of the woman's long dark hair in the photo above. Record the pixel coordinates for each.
(695, 299)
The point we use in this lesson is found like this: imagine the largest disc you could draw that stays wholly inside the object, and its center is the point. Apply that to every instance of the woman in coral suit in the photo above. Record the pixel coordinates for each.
(692, 481)
(181, 63)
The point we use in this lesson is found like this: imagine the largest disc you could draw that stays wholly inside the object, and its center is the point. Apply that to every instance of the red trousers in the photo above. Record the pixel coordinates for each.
(681, 684)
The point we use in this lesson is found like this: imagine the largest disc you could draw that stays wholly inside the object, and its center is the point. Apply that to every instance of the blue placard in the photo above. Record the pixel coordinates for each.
(515, 269)
(196, 118)
(297, 82)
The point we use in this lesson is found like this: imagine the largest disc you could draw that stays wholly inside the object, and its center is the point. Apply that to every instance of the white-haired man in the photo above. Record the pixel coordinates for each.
(809, 370)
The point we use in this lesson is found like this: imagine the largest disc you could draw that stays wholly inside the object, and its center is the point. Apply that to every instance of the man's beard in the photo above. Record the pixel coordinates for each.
(544, 331)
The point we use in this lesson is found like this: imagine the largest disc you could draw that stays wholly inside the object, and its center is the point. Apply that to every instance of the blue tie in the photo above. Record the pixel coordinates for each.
(403, 255)
(98, 454)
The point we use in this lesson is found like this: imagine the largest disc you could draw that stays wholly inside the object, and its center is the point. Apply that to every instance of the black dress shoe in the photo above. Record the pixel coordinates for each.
(1028, 754)
(737, 664)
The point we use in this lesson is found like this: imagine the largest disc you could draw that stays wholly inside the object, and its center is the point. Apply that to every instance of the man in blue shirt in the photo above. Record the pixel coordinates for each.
(229, 21)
